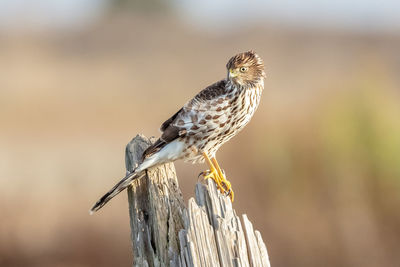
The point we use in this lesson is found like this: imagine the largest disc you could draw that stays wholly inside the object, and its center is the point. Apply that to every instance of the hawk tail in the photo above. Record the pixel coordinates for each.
(157, 154)
(120, 186)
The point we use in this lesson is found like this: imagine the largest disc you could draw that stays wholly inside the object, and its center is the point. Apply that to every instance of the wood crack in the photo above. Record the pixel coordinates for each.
(205, 233)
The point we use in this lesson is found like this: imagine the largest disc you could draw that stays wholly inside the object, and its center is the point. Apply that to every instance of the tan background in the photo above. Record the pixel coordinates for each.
(317, 170)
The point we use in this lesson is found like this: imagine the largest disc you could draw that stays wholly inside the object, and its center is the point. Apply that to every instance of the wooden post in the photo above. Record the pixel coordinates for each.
(206, 233)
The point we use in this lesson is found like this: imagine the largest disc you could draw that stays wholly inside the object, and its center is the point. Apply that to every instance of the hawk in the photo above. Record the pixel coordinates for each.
(203, 124)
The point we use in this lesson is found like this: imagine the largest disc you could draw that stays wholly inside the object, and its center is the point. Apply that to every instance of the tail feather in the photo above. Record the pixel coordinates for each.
(120, 186)
(168, 153)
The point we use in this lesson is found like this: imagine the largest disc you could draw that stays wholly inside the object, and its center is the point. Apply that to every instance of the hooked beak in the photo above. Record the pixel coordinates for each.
(232, 73)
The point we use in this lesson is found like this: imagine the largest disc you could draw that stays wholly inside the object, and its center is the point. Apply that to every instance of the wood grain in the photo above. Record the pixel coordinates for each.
(166, 233)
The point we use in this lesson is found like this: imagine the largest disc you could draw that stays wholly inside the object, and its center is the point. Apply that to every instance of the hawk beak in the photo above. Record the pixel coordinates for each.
(232, 73)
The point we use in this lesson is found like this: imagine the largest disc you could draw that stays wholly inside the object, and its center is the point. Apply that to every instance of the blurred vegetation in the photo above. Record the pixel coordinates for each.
(149, 6)
(317, 170)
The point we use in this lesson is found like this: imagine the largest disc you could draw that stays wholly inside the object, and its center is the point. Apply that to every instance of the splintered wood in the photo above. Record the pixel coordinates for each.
(166, 233)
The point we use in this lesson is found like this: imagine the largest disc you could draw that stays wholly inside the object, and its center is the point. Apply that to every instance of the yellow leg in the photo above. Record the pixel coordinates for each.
(217, 175)
(213, 173)
(225, 183)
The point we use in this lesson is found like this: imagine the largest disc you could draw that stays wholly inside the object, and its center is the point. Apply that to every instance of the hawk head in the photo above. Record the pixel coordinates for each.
(246, 69)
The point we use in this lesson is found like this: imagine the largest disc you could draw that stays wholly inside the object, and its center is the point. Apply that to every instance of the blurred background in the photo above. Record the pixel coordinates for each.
(317, 170)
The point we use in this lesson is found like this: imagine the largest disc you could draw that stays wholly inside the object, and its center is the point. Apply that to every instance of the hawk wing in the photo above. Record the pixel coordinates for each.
(190, 117)
(207, 95)
(169, 134)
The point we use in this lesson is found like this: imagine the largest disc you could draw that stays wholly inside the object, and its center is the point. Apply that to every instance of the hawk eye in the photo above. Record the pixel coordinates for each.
(243, 69)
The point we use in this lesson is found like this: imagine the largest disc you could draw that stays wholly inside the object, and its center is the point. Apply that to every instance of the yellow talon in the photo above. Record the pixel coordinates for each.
(213, 174)
(218, 176)
(224, 181)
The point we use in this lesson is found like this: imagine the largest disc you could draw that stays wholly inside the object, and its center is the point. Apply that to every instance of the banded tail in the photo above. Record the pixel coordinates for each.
(153, 158)
(159, 153)
(120, 186)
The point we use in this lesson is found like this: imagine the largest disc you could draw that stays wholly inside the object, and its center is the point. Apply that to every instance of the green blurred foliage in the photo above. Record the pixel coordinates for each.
(317, 170)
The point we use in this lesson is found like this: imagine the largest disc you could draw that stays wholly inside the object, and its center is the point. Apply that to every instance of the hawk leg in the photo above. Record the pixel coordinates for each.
(225, 183)
(218, 176)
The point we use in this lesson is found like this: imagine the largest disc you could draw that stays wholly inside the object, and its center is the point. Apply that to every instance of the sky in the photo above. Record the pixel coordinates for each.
(364, 15)
(352, 14)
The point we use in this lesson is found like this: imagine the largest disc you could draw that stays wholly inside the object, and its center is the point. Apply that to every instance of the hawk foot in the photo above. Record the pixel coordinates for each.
(223, 185)
(227, 186)
(218, 176)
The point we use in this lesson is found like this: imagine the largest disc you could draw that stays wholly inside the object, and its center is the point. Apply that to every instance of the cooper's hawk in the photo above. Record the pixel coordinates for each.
(202, 125)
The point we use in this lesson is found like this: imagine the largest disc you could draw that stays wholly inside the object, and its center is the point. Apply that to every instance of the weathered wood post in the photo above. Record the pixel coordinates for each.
(166, 233)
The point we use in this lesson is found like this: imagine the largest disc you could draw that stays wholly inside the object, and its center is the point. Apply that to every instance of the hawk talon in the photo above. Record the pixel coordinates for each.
(231, 194)
(218, 176)
(228, 192)
(226, 188)
(196, 126)
(202, 173)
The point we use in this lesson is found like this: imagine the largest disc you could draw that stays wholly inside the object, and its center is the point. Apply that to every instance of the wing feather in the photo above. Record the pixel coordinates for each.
(167, 123)
(177, 125)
